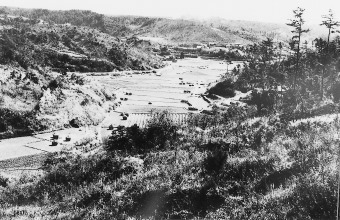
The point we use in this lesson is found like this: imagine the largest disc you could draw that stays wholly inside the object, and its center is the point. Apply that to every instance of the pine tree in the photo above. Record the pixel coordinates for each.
(297, 24)
(330, 23)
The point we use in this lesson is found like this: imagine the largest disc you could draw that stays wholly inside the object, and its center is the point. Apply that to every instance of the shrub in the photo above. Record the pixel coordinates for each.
(224, 88)
(161, 129)
(78, 79)
(335, 91)
(2, 100)
(118, 56)
(86, 101)
(3, 181)
(23, 120)
(158, 134)
(264, 100)
(313, 199)
(55, 83)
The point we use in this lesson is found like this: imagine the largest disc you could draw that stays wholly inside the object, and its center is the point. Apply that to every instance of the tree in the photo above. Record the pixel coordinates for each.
(266, 49)
(160, 130)
(297, 24)
(255, 72)
(118, 56)
(224, 88)
(266, 55)
(330, 23)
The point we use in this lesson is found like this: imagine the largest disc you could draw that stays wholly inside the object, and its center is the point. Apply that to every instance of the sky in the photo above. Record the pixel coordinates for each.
(276, 11)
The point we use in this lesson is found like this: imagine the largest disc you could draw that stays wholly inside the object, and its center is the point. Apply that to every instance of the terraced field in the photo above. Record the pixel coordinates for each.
(166, 90)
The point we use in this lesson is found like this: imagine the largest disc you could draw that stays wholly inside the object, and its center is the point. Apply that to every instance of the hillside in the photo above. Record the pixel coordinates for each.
(256, 31)
(39, 87)
(229, 165)
(29, 43)
(172, 31)
(175, 31)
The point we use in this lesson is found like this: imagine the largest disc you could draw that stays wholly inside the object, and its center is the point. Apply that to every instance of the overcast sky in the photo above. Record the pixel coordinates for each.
(278, 11)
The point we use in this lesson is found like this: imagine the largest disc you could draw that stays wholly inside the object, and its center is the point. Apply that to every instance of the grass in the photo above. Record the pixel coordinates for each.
(203, 173)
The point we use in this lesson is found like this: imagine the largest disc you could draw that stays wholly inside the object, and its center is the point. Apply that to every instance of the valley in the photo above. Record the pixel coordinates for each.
(132, 117)
(162, 89)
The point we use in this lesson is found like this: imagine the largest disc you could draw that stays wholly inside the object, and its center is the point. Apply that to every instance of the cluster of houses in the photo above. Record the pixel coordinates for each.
(170, 53)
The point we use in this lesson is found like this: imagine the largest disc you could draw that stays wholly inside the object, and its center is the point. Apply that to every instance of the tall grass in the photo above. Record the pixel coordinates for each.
(265, 170)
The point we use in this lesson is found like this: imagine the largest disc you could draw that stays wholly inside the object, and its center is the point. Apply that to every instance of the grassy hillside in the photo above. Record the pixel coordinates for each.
(229, 165)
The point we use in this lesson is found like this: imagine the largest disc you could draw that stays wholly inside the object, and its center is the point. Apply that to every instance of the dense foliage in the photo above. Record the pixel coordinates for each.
(224, 89)
(18, 123)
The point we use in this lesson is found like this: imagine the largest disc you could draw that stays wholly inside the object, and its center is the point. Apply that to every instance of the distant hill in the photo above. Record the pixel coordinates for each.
(170, 30)
(74, 17)
(176, 31)
(64, 47)
(255, 31)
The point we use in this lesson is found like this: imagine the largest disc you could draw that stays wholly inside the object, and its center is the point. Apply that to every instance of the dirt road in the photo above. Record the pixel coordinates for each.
(41, 143)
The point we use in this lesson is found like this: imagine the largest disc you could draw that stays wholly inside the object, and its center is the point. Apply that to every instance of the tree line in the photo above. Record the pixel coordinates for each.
(299, 81)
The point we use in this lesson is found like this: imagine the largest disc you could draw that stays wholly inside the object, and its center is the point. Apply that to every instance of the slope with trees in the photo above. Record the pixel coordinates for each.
(172, 30)
(37, 61)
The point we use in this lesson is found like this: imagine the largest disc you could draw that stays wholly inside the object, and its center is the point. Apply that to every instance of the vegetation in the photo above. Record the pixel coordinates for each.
(225, 165)
(274, 158)
(224, 89)
(18, 123)
(296, 39)
(63, 48)
(35, 60)
(169, 30)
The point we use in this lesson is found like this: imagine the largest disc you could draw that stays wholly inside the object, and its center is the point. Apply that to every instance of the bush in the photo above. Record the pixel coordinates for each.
(335, 91)
(158, 134)
(118, 56)
(161, 129)
(3, 181)
(55, 83)
(224, 88)
(314, 200)
(264, 100)
(24, 121)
